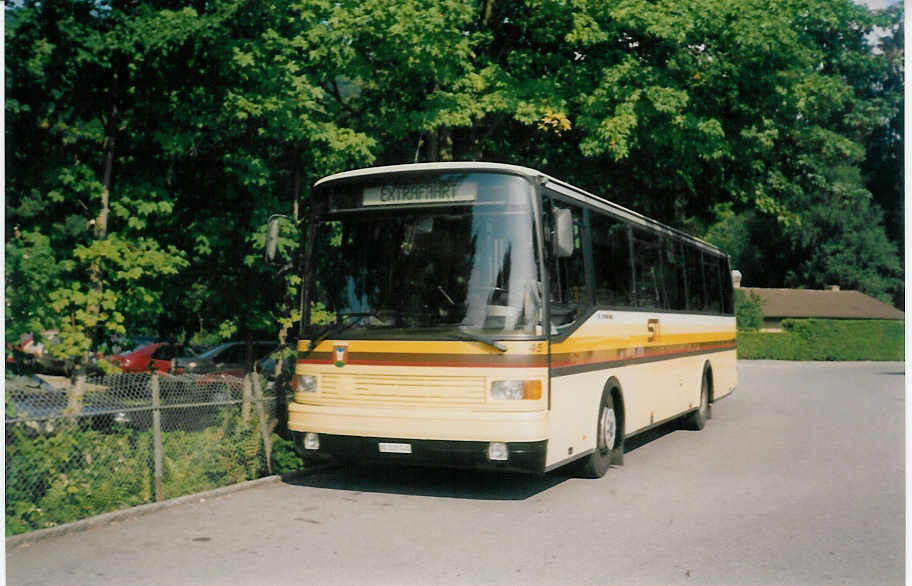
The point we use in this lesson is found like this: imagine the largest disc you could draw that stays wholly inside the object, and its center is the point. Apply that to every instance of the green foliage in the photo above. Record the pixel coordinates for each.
(207, 338)
(75, 473)
(227, 329)
(31, 270)
(816, 339)
(284, 457)
(748, 311)
(107, 367)
(126, 271)
(148, 144)
(319, 315)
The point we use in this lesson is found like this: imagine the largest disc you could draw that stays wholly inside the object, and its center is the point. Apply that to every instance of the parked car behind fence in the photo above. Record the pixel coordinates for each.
(186, 402)
(229, 358)
(157, 354)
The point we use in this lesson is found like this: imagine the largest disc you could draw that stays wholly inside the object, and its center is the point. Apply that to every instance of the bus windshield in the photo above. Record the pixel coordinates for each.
(437, 256)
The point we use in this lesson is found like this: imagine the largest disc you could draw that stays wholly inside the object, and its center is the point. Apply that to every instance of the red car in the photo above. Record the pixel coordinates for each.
(158, 354)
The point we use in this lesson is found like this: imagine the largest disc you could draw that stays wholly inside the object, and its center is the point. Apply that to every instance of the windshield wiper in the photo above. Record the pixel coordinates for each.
(336, 328)
(467, 334)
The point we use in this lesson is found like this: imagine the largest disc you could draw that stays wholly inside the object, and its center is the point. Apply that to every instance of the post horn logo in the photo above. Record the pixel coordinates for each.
(341, 355)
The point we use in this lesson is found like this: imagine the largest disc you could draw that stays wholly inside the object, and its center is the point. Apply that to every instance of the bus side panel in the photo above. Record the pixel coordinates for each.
(649, 403)
(656, 358)
(725, 373)
(653, 392)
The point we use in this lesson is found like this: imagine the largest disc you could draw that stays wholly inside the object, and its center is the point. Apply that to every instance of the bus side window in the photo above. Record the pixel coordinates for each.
(611, 260)
(647, 260)
(567, 276)
(713, 283)
(694, 269)
(728, 294)
(673, 271)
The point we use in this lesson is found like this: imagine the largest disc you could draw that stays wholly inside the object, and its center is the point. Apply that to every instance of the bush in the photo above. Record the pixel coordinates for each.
(284, 457)
(826, 339)
(69, 475)
(748, 311)
(73, 473)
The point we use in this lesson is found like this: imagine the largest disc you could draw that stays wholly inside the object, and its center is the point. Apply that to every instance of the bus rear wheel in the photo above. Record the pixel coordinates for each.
(609, 447)
(696, 420)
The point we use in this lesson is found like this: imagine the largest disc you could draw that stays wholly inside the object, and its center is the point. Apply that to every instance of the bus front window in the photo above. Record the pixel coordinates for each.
(439, 253)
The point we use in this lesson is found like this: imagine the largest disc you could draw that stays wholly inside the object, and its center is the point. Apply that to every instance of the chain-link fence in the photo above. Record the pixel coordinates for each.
(80, 448)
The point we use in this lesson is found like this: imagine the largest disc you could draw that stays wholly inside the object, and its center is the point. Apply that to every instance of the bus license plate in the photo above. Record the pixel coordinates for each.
(391, 448)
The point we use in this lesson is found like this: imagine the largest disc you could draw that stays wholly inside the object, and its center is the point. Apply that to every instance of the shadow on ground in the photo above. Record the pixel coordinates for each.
(641, 439)
(450, 482)
(434, 482)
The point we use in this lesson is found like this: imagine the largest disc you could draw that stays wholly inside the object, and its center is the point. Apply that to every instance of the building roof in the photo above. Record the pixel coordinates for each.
(802, 303)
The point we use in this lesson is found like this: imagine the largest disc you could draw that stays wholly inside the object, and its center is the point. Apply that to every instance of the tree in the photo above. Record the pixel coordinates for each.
(150, 141)
(68, 88)
(883, 165)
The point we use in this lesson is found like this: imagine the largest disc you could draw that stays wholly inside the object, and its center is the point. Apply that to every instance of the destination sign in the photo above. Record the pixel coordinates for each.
(420, 193)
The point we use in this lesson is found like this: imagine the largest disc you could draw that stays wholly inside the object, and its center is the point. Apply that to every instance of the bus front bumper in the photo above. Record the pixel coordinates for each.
(520, 456)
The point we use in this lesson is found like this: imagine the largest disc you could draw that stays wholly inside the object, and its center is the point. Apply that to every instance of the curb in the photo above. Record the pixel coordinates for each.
(22, 539)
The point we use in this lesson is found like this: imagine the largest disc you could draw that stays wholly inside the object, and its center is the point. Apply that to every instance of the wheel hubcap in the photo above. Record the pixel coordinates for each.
(608, 425)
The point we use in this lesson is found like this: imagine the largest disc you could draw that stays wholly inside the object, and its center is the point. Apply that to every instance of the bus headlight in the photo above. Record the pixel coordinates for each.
(516, 389)
(307, 383)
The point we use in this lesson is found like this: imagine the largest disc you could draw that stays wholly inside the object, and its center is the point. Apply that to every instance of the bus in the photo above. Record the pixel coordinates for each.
(490, 316)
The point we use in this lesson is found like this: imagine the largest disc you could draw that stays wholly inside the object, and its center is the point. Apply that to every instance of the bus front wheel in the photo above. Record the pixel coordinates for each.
(609, 447)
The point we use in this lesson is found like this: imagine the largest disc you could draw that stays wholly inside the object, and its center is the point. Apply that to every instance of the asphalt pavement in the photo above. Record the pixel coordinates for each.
(797, 479)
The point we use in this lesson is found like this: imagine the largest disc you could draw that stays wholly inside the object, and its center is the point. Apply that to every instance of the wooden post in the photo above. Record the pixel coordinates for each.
(156, 437)
(245, 402)
(281, 405)
(261, 414)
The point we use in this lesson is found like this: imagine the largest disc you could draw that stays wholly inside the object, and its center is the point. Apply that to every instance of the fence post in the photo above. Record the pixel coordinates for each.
(281, 409)
(261, 415)
(281, 406)
(245, 399)
(156, 436)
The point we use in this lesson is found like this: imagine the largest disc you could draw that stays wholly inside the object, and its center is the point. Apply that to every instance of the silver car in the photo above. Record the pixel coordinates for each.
(229, 359)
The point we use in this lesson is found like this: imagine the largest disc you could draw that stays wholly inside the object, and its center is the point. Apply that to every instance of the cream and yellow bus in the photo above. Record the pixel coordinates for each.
(488, 315)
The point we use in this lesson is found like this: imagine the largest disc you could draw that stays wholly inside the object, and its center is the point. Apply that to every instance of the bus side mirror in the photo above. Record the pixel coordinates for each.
(563, 233)
(272, 238)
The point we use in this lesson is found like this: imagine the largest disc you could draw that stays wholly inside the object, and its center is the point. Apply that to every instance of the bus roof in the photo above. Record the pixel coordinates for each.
(544, 179)
(454, 166)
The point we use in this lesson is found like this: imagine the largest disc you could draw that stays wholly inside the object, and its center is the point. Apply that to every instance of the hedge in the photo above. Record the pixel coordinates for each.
(826, 339)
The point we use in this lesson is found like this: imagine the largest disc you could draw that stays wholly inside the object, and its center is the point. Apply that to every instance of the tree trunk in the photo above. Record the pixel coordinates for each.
(101, 222)
(487, 12)
(445, 144)
(75, 395)
(433, 148)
